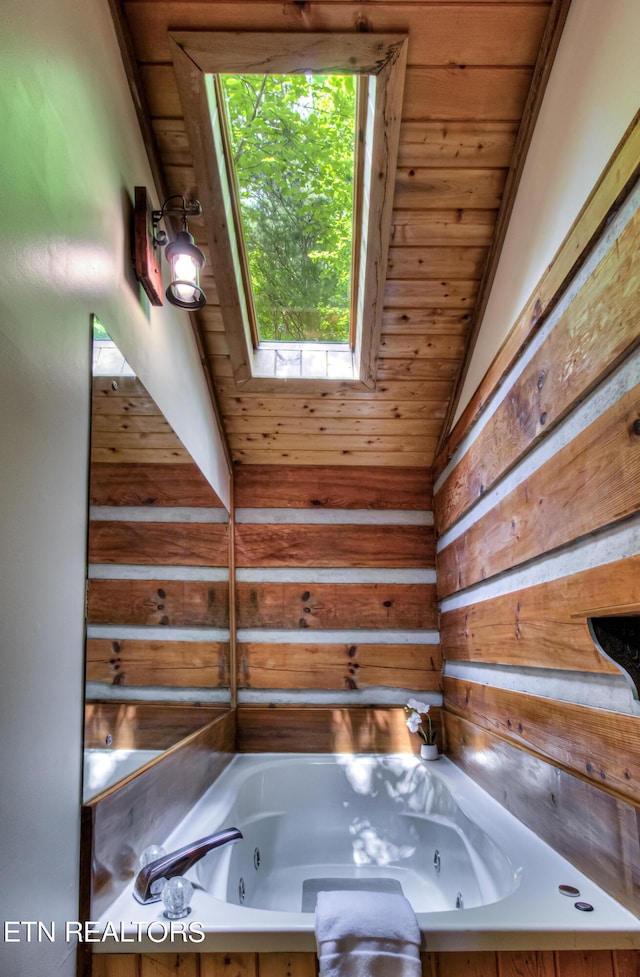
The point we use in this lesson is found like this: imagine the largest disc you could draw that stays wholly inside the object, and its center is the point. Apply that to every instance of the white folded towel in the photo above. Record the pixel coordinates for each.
(367, 934)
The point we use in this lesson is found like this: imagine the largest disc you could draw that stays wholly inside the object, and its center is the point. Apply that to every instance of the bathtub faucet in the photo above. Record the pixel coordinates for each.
(147, 890)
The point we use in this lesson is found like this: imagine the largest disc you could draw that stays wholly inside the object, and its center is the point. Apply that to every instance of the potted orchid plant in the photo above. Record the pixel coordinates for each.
(418, 714)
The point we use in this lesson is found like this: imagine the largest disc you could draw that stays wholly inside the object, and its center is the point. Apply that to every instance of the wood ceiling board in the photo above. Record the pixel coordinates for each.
(162, 93)
(417, 322)
(123, 406)
(333, 442)
(399, 422)
(460, 225)
(387, 390)
(558, 13)
(386, 459)
(376, 410)
(117, 440)
(171, 137)
(317, 390)
(430, 294)
(258, 425)
(182, 180)
(210, 318)
(468, 144)
(146, 456)
(429, 346)
(216, 344)
(465, 93)
(414, 368)
(147, 423)
(471, 66)
(458, 33)
(421, 143)
(436, 262)
(423, 187)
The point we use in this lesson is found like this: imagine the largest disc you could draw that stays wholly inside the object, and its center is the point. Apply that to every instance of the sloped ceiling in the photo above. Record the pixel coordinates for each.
(475, 77)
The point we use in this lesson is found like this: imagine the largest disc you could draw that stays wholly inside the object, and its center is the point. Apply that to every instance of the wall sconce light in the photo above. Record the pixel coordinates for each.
(185, 257)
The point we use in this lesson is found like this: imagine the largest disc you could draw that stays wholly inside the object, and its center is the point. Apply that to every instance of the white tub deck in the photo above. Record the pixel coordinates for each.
(524, 908)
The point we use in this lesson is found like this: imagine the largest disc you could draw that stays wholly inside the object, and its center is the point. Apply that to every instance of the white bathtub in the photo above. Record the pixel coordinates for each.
(476, 877)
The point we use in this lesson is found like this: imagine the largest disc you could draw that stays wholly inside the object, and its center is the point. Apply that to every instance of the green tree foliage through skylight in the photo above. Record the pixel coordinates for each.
(293, 139)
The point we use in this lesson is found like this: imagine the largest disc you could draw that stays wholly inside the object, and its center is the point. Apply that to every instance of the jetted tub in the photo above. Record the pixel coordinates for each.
(475, 876)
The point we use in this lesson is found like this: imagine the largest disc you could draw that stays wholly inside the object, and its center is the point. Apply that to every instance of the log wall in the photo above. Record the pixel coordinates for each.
(335, 605)
(158, 588)
(537, 513)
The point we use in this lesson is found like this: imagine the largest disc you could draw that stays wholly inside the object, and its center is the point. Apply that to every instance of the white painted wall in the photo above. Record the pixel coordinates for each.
(70, 153)
(592, 96)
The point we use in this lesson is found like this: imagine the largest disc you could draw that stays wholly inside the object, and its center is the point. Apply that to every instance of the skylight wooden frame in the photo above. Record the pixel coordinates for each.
(197, 56)
(360, 119)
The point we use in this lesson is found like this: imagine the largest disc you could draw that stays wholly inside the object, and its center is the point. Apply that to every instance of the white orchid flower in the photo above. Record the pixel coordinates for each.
(417, 712)
(413, 721)
(421, 707)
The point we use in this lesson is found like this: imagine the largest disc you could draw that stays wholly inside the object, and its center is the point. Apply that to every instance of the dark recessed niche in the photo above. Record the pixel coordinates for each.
(618, 638)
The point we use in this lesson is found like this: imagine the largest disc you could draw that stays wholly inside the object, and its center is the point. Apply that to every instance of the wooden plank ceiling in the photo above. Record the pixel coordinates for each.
(471, 81)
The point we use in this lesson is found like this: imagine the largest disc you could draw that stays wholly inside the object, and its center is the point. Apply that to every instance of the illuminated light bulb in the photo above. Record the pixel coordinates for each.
(187, 260)
(185, 270)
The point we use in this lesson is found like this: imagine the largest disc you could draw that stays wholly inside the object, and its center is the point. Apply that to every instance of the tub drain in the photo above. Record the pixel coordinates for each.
(241, 891)
(256, 858)
(459, 901)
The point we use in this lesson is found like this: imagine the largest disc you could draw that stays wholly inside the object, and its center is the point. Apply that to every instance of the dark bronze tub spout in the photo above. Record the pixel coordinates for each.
(177, 863)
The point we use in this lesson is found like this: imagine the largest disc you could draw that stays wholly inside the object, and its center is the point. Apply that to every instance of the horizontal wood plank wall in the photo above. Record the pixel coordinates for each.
(324, 729)
(560, 373)
(600, 467)
(598, 745)
(552, 802)
(158, 590)
(537, 508)
(144, 725)
(335, 595)
(538, 622)
(504, 963)
(618, 176)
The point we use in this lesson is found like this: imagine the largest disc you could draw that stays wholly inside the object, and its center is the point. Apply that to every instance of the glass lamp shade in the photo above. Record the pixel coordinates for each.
(187, 260)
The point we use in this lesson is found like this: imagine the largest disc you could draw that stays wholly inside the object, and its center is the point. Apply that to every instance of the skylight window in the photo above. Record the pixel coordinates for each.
(292, 149)
(370, 67)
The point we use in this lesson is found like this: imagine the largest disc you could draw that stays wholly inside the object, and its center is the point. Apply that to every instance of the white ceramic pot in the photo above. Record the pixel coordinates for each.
(429, 751)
